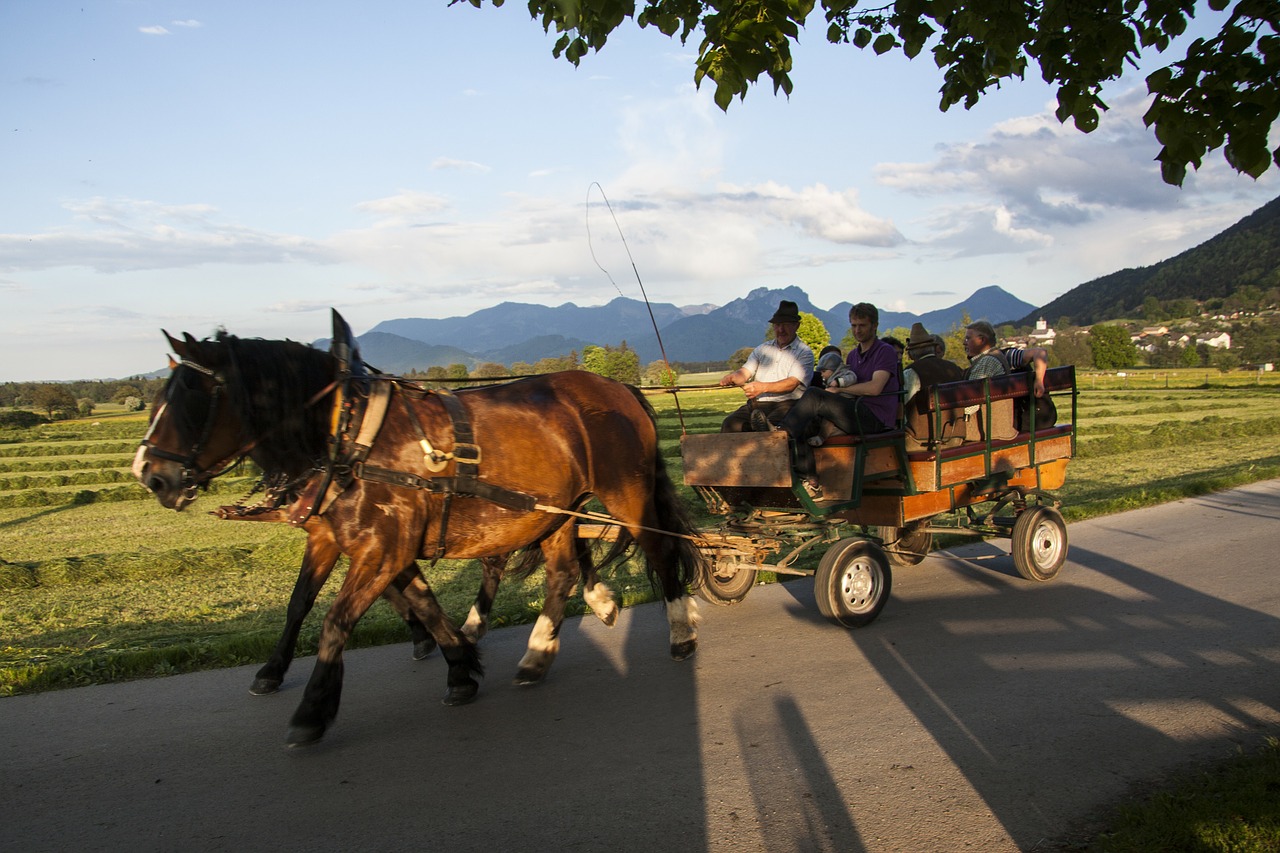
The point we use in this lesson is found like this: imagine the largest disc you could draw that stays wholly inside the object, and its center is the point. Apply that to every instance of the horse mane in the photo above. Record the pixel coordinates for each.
(271, 386)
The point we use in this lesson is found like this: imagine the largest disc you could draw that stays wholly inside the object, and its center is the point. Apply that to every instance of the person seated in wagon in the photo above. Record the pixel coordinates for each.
(868, 405)
(773, 377)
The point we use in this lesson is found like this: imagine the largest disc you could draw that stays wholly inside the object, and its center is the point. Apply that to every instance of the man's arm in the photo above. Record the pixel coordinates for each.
(871, 388)
(1039, 363)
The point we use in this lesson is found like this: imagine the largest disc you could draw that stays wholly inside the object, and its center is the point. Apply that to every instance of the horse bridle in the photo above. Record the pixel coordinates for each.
(193, 476)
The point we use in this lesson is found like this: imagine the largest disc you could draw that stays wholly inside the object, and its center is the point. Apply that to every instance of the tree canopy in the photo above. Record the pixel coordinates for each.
(1223, 93)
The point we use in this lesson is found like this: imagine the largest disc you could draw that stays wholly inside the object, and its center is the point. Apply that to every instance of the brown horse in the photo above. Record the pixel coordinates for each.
(483, 474)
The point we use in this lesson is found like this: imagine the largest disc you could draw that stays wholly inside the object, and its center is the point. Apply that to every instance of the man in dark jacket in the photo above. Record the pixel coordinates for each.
(928, 367)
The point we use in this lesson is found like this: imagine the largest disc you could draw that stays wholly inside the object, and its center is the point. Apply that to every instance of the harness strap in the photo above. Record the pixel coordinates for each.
(462, 487)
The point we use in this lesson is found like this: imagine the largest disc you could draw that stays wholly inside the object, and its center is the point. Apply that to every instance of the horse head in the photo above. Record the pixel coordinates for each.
(194, 433)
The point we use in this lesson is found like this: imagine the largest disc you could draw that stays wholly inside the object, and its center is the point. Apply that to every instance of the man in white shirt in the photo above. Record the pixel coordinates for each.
(774, 375)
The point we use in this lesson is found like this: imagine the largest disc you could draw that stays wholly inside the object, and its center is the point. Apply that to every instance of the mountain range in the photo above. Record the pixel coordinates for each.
(514, 331)
(1246, 254)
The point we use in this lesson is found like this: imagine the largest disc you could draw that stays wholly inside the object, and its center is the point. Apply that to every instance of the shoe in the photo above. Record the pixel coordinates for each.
(759, 423)
(813, 490)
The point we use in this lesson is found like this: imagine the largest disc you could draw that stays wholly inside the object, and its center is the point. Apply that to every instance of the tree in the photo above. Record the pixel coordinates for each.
(125, 391)
(618, 363)
(457, 371)
(52, 399)
(1224, 93)
(813, 332)
(1112, 347)
(490, 370)
(659, 373)
(1189, 357)
(739, 357)
(1225, 360)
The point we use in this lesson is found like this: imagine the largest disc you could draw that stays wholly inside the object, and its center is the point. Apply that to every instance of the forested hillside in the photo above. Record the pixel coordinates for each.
(1245, 256)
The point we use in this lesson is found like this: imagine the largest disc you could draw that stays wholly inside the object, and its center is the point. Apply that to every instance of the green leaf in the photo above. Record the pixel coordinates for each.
(884, 43)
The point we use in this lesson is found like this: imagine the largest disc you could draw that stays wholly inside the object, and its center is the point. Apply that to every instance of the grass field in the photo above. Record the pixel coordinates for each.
(99, 583)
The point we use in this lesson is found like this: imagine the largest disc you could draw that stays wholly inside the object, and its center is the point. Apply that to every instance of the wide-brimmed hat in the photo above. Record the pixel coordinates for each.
(919, 338)
(787, 312)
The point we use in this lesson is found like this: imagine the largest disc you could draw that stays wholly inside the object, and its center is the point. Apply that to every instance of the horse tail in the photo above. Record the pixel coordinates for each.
(674, 516)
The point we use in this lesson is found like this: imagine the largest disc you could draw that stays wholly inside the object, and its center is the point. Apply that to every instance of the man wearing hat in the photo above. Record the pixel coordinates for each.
(774, 375)
(928, 367)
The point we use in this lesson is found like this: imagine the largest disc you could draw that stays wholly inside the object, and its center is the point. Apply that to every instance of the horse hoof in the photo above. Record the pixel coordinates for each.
(610, 618)
(303, 736)
(461, 694)
(527, 676)
(680, 651)
(264, 686)
(422, 649)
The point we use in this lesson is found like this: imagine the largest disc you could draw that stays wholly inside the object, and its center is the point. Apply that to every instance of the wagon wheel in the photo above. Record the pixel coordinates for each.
(852, 582)
(1039, 543)
(728, 581)
(906, 546)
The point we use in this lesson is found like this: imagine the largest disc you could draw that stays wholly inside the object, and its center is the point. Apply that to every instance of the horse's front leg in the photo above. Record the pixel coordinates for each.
(562, 572)
(319, 705)
(318, 560)
(477, 623)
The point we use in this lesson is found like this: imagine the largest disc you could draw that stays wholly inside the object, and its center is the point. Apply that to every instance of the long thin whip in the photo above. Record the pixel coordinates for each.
(661, 348)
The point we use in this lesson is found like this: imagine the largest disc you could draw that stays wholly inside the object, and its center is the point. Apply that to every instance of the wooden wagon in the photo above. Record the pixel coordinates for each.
(969, 459)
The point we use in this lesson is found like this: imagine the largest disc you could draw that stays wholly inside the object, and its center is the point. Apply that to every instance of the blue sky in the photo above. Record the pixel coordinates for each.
(190, 165)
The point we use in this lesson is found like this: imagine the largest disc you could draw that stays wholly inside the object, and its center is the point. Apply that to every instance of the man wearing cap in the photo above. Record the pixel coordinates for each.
(928, 367)
(774, 375)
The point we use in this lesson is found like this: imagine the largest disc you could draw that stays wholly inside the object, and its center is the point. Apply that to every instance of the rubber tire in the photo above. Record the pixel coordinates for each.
(724, 591)
(852, 582)
(1039, 543)
(918, 543)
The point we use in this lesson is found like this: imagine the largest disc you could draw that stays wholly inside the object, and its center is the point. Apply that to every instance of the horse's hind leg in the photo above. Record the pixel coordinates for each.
(562, 573)
(318, 560)
(477, 623)
(597, 594)
(663, 557)
(423, 643)
(458, 649)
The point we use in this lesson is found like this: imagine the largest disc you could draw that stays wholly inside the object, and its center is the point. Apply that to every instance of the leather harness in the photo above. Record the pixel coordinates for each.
(347, 456)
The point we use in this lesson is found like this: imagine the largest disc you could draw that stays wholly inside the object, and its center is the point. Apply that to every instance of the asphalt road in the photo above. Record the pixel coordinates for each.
(980, 712)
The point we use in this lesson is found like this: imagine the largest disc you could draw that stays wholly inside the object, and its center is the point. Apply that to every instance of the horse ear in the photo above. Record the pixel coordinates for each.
(175, 345)
(173, 365)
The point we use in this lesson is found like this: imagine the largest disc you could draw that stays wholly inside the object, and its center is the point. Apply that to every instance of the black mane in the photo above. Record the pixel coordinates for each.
(272, 387)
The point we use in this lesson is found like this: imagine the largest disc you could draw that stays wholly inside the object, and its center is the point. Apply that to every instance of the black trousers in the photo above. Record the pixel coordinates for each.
(739, 420)
(846, 411)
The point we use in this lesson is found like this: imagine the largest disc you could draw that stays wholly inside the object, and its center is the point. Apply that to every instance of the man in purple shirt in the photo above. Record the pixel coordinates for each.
(869, 405)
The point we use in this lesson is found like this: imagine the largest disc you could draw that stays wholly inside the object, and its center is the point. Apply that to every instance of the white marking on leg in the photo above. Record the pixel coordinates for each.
(600, 599)
(543, 647)
(682, 615)
(475, 626)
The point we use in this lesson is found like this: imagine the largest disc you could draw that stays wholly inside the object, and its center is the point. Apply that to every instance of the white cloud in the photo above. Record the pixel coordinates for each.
(113, 236)
(406, 203)
(449, 164)
(155, 30)
(190, 23)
